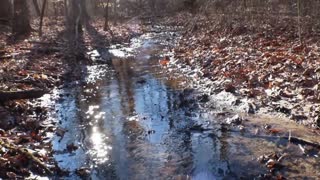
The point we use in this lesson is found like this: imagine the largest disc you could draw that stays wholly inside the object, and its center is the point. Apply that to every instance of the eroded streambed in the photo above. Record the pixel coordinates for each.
(136, 120)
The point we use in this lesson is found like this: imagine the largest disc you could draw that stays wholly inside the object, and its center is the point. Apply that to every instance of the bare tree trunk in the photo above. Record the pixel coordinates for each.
(55, 7)
(65, 8)
(21, 22)
(5, 11)
(115, 13)
(106, 17)
(41, 16)
(36, 7)
(78, 22)
(74, 16)
(84, 15)
(299, 20)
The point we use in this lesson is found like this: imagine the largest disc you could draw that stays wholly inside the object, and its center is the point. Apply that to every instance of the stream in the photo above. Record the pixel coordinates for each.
(136, 120)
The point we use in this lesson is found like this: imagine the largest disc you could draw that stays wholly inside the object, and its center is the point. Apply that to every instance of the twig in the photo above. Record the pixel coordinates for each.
(289, 138)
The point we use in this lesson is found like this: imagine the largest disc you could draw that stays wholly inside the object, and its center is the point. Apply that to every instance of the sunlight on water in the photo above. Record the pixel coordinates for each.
(91, 109)
(117, 52)
(99, 115)
(100, 149)
(95, 73)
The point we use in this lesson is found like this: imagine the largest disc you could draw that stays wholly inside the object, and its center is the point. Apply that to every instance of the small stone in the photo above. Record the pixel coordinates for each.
(83, 172)
(237, 120)
(204, 98)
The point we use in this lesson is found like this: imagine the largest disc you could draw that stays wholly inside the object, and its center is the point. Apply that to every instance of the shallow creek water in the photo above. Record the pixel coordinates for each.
(134, 120)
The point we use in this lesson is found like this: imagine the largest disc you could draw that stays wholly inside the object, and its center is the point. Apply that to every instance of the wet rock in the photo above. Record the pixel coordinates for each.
(241, 127)
(262, 159)
(199, 128)
(204, 98)
(100, 56)
(317, 121)
(235, 120)
(271, 163)
(151, 131)
(83, 172)
(207, 62)
(60, 132)
(222, 113)
(267, 126)
(7, 121)
(283, 107)
(283, 110)
(141, 81)
(230, 88)
(237, 102)
(251, 109)
(72, 147)
(247, 106)
(298, 117)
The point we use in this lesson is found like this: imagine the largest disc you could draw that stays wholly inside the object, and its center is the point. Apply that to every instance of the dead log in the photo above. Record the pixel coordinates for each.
(292, 139)
(56, 76)
(297, 140)
(43, 50)
(3, 52)
(25, 94)
(6, 57)
(42, 42)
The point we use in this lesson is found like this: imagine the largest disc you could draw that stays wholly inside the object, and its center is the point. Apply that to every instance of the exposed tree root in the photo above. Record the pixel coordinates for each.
(25, 94)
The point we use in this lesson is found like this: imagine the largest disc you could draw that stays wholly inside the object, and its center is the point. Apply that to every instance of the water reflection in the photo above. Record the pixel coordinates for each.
(133, 122)
(135, 119)
(100, 149)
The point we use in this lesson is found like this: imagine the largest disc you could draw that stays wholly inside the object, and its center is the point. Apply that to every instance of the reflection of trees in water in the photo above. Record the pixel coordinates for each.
(154, 100)
(137, 154)
(134, 155)
(125, 80)
(92, 95)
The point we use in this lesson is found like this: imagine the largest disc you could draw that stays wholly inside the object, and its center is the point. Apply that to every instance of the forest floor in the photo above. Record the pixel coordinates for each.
(31, 67)
(264, 65)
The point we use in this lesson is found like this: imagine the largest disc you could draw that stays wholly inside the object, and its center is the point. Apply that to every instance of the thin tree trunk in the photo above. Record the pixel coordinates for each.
(115, 13)
(27, 94)
(5, 12)
(78, 22)
(21, 22)
(65, 8)
(41, 16)
(36, 7)
(106, 17)
(299, 20)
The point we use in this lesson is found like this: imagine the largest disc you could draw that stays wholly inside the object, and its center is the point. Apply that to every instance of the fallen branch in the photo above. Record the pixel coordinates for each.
(56, 76)
(26, 153)
(42, 42)
(25, 94)
(6, 57)
(42, 50)
(301, 141)
(2, 52)
(294, 140)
